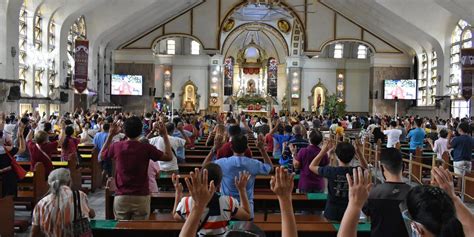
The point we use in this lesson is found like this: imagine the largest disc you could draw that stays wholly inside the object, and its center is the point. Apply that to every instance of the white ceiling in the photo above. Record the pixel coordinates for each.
(413, 25)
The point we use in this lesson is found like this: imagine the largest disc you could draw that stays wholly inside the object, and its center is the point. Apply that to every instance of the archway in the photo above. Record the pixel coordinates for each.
(317, 100)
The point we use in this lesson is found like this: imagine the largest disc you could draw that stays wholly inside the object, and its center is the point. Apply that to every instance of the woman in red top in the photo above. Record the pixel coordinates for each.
(41, 150)
(190, 127)
(68, 143)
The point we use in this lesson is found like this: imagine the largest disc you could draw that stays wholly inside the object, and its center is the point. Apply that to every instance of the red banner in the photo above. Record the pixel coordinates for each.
(467, 72)
(251, 71)
(81, 58)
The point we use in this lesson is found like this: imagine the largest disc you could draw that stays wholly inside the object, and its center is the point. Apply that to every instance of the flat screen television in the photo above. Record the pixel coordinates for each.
(404, 89)
(126, 84)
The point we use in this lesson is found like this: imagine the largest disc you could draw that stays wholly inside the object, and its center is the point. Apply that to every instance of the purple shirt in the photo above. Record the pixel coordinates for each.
(308, 180)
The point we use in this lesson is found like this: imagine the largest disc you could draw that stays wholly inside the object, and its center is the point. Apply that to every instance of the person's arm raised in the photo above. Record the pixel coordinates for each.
(327, 148)
(113, 131)
(201, 191)
(359, 188)
(261, 148)
(241, 184)
(363, 162)
(282, 185)
(444, 180)
(168, 153)
(218, 142)
(178, 187)
(21, 138)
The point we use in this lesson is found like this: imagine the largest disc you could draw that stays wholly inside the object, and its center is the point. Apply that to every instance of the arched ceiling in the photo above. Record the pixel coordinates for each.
(113, 22)
(261, 34)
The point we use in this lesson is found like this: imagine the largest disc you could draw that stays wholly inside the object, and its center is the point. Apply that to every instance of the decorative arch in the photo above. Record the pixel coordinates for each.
(317, 99)
(189, 97)
(229, 13)
(265, 29)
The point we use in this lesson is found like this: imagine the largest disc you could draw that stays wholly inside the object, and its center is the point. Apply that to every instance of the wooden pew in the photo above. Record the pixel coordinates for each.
(148, 228)
(7, 217)
(37, 187)
(262, 182)
(188, 167)
(263, 202)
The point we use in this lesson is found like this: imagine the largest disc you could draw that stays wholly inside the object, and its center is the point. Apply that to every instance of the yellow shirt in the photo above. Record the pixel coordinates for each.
(339, 130)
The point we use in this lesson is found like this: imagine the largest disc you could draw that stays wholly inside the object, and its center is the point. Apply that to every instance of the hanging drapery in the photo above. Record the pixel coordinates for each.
(81, 57)
(228, 76)
(251, 71)
(272, 77)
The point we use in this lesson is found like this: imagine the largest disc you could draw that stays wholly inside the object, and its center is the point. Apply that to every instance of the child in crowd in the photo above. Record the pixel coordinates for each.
(220, 209)
(336, 176)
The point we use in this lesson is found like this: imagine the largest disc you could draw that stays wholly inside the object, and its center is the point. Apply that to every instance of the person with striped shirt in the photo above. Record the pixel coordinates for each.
(53, 215)
(220, 209)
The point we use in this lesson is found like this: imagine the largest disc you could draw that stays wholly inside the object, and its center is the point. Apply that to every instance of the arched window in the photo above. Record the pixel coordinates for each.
(170, 46)
(460, 38)
(338, 50)
(52, 62)
(423, 84)
(176, 45)
(362, 52)
(195, 47)
(78, 30)
(22, 47)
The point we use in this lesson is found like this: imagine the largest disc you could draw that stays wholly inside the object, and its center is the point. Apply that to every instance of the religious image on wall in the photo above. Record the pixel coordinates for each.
(228, 75)
(272, 74)
(467, 72)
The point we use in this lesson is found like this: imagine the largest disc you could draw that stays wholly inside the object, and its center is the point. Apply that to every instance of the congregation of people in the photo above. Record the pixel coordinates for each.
(325, 152)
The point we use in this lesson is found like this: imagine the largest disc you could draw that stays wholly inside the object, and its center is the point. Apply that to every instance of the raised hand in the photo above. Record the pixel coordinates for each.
(178, 187)
(201, 191)
(282, 183)
(218, 141)
(328, 145)
(359, 187)
(162, 129)
(114, 128)
(260, 141)
(241, 181)
(443, 179)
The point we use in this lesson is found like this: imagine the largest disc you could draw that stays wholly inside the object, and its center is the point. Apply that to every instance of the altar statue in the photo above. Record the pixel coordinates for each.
(251, 87)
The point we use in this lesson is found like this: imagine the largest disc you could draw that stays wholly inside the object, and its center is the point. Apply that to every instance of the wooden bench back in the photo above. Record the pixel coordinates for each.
(7, 217)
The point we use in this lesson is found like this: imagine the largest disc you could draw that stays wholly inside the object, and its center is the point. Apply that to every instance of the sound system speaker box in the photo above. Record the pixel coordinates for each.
(14, 93)
(64, 97)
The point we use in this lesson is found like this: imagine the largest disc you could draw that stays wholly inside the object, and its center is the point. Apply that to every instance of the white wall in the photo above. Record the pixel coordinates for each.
(357, 80)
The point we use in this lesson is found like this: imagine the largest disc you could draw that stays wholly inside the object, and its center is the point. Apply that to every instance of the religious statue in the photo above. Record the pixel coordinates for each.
(189, 97)
(251, 87)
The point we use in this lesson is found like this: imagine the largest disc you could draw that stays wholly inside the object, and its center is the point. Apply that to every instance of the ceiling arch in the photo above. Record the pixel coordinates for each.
(261, 34)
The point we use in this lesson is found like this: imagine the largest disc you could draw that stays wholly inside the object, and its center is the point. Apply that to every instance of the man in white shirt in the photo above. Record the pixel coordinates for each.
(169, 167)
(393, 134)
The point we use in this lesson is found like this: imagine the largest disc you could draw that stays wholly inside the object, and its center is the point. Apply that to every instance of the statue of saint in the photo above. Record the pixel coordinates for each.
(251, 87)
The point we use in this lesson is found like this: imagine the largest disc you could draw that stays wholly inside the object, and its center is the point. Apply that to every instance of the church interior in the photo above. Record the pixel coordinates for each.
(302, 60)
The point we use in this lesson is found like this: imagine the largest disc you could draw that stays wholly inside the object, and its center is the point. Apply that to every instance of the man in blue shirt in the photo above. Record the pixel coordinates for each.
(416, 136)
(184, 134)
(232, 166)
(99, 141)
(296, 140)
(462, 149)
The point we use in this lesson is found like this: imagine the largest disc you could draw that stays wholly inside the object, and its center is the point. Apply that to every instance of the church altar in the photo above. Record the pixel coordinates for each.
(259, 113)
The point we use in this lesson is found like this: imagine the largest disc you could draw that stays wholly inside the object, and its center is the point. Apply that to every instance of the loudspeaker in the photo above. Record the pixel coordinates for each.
(154, 92)
(64, 97)
(370, 95)
(376, 94)
(14, 93)
(149, 91)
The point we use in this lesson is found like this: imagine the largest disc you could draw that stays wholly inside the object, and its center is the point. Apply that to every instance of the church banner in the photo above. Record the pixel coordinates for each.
(272, 74)
(228, 76)
(467, 72)
(81, 58)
